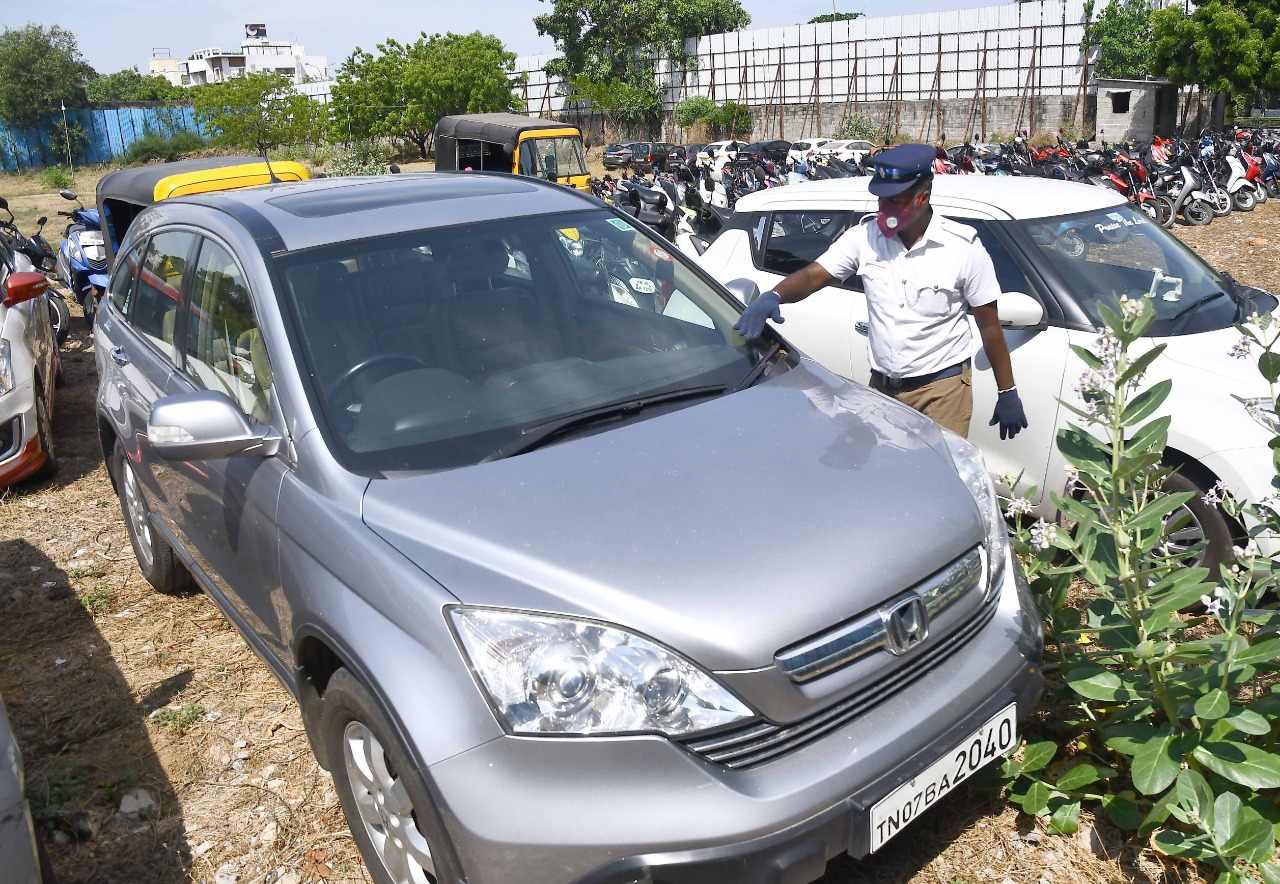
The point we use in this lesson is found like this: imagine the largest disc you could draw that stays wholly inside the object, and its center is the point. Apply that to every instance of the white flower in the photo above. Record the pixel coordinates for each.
(1241, 348)
(1270, 502)
(1219, 593)
(1213, 606)
(1215, 494)
(1018, 506)
(1131, 309)
(1043, 535)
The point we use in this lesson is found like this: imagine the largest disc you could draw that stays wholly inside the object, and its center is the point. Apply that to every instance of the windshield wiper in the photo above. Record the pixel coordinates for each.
(756, 370)
(1192, 307)
(536, 435)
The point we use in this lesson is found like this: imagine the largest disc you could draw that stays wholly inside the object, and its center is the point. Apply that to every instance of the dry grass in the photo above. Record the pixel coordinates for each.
(88, 652)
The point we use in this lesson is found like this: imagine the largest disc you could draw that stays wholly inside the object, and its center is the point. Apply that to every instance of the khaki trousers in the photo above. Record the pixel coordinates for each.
(948, 402)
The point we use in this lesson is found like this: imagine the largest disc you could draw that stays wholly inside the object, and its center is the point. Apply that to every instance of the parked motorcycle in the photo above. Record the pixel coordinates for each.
(82, 256)
(45, 261)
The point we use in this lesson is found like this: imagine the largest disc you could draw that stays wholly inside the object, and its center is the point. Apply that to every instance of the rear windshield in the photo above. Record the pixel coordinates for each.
(439, 348)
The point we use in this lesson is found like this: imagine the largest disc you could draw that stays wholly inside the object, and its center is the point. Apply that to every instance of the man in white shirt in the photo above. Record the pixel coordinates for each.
(922, 274)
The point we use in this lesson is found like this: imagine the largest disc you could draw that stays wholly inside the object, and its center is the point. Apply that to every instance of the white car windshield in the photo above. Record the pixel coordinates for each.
(443, 347)
(1106, 254)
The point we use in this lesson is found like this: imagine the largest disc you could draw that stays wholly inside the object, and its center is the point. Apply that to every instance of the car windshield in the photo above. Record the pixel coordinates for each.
(559, 156)
(443, 347)
(1106, 254)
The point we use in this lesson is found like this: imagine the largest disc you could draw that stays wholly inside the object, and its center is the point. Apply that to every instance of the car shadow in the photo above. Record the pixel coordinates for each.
(101, 799)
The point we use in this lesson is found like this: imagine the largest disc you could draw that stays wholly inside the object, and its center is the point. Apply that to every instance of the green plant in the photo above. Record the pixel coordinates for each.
(733, 120)
(153, 147)
(97, 599)
(56, 177)
(1160, 706)
(178, 719)
(694, 109)
(859, 125)
(362, 158)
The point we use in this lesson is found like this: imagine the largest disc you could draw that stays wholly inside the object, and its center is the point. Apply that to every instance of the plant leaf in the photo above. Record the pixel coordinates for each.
(1269, 365)
(1152, 436)
(1270, 873)
(1154, 513)
(1240, 763)
(1195, 795)
(1174, 843)
(1228, 816)
(1260, 652)
(1078, 777)
(1065, 819)
(1128, 738)
(1087, 357)
(1156, 763)
(1084, 450)
(1121, 811)
(1036, 801)
(1139, 365)
(1142, 407)
(1254, 840)
(1213, 705)
(1249, 722)
(1097, 683)
(1036, 755)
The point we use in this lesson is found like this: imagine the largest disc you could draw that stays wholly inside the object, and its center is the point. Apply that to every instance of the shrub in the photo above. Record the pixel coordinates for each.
(152, 148)
(694, 109)
(56, 177)
(733, 120)
(1160, 702)
(362, 158)
(859, 126)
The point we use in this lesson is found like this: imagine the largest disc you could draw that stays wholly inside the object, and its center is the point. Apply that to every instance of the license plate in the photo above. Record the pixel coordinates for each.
(995, 739)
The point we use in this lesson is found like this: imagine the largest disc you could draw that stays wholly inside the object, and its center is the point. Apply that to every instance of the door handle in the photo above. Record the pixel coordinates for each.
(861, 328)
(118, 354)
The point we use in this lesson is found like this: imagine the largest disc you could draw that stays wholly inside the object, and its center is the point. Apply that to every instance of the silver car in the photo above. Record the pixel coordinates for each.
(571, 582)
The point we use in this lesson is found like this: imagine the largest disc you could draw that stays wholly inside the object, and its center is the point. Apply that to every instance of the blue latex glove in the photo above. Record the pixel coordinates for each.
(1009, 414)
(751, 324)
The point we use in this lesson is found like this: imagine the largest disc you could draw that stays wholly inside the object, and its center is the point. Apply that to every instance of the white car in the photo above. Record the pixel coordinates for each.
(847, 151)
(29, 370)
(807, 150)
(1059, 250)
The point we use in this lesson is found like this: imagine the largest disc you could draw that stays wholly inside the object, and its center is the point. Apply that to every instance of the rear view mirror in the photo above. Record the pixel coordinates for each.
(745, 290)
(68, 194)
(205, 426)
(1017, 310)
(4, 203)
(23, 286)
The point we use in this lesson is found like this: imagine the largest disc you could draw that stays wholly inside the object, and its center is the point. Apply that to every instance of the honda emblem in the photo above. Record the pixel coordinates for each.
(906, 625)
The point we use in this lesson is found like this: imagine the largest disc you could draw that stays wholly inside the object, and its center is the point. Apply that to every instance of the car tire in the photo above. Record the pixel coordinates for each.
(60, 316)
(393, 820)
(157, 561)
(1208, 523)
(44, 432)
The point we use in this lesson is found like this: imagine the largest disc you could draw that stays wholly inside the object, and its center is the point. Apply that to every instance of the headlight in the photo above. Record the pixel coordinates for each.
(619, 293)
(1264, 412)
(556, 675)
(973, 470)
(6, 367)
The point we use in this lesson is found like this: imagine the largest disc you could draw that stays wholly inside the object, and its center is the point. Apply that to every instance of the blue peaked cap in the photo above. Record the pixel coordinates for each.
(898, 168)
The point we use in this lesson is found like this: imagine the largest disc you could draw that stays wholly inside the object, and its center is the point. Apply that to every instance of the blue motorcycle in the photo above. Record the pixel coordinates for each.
(82, 256)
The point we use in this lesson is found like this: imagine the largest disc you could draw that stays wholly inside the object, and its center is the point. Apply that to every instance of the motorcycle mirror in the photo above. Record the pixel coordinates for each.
(68, 194)
(4, 204)
(42, 220)
(586, 144)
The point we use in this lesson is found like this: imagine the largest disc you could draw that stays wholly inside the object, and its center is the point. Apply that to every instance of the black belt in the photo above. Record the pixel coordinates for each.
(883, 380)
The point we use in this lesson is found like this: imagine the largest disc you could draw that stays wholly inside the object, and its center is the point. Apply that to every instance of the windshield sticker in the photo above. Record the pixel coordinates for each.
(1116, 221)
(620, 224)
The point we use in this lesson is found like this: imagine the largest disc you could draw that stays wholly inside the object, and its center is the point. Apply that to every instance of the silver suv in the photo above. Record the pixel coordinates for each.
(571, 582)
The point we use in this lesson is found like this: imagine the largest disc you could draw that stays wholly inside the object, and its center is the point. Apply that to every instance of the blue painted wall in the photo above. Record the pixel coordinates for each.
(110, 132)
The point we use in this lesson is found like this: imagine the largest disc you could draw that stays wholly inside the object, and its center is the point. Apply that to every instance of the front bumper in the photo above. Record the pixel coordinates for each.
(20, 453)
(1247, 474)
(644, 809)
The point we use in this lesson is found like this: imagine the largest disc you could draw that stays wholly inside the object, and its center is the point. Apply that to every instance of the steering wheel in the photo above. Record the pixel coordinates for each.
(372, 362)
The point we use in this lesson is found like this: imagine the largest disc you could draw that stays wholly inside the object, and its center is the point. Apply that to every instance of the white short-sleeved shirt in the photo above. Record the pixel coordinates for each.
(917, 298)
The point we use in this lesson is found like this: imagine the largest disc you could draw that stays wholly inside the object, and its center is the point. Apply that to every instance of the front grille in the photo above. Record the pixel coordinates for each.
(754, 743)
(97, 263)
(10, 436)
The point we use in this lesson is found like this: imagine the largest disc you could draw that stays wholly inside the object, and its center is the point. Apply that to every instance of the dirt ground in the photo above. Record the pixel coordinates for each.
(160, 749)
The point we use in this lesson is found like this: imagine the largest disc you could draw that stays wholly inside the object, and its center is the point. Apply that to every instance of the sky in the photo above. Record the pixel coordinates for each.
(116, 34)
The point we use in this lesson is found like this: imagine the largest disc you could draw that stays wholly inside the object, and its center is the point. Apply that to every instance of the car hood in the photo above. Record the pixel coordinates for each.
(726, 530)
(1211, 352)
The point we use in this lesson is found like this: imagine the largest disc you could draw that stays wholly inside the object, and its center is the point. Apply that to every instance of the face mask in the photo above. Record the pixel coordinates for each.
(892, 218)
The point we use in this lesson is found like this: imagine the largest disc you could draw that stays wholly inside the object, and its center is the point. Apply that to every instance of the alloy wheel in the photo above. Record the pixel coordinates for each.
(139, 525)
(386, 811)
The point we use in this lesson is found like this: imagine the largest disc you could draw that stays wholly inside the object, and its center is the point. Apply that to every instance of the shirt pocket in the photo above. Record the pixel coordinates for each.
(874, 277)
(937, 295)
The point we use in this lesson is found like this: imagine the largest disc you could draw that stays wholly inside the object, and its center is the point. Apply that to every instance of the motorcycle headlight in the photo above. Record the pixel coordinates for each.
(77, 253)
(558, 675)
(6, 367)
(1263, 410)
(973, 471)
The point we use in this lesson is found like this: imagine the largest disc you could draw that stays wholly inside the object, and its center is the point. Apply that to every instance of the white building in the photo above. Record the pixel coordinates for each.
(164, 65)
(257, 54)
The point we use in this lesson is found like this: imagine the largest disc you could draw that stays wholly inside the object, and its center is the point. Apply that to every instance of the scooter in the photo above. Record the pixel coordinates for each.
(1243, 195)
(43, 258)
(82, 256)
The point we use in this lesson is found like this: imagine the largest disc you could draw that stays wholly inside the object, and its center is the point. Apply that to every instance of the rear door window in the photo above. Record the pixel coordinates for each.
(152, 307)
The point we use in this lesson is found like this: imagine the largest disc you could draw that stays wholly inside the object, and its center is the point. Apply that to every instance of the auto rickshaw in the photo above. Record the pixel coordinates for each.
(512, 143)
(123, 195)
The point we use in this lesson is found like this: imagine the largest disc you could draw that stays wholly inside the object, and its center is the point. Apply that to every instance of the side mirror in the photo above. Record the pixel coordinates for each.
(68, 195)
(23, 286)
(4, 204)
(586, 144)
(745, 290)
(42, 220)
(205, 426)
(1017, 310)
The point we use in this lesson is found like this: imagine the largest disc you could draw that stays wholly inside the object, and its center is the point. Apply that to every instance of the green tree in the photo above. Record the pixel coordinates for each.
(128, 85)
(1123, 31)
(694, 109)
(1222, 47)
(834, 16)
(256, 112)
(619, 101)
(404, 90)
(39, 69)
(733, 120)
(607, 41)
